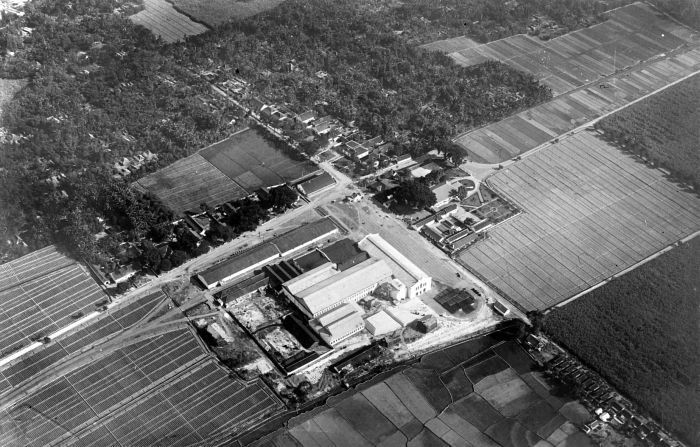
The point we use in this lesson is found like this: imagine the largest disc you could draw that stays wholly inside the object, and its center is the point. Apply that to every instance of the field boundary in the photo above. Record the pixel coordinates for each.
(595, 120)
(627, 270)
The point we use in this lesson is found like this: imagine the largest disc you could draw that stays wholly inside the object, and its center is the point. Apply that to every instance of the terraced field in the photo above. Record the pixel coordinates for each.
(526, 130)
(159, 17)
(494, 400)
(632, 34)
(589, 212)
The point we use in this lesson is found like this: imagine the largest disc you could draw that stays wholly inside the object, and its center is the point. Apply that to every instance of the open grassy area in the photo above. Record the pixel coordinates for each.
(663, 128)
(640, 331)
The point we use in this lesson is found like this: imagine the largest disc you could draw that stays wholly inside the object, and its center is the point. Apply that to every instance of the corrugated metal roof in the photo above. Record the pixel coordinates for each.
(344, 284)
(317, 183)
(310, 278)
(408, 272)
(239, 263)
(304, 234)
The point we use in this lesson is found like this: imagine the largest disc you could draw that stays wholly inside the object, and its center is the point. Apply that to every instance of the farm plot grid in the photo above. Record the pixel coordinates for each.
(590, 211)
(104, 327)
(526, 130)
(497, 401)
(229, 170)
(160, 18)
(163, 389)
(632, 34)
(40, 306)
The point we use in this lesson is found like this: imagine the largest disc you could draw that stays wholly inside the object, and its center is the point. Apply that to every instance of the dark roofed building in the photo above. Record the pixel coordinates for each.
(345, 254)
(311, 260)
(304, 236)
(432, 234)
(243, 288)
(456, 300)
(481, 225)
(457, 236)
(417, 225)
(463, 242)
(316, 184)
(282, 272)
(238, 265)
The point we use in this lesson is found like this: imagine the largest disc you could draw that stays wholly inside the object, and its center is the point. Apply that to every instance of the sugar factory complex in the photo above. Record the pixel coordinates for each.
(324, 279)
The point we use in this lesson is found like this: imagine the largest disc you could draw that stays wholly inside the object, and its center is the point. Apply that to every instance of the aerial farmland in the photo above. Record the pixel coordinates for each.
(159, 17)
(634, 53)
(229, 170)
(590, 212)
(483, 392)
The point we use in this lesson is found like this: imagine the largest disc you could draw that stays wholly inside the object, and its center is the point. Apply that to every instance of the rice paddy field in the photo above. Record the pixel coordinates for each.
(496, 399)
(590, 211)
(217, 12)
(631, 34)
(157, 389)
(229, 170)
(159, 17)
(529, 129)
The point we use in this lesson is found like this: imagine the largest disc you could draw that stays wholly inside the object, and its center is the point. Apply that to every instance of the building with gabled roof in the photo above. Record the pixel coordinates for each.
(339, 324)
(238, 265)
(316, 185)
(310, 278)
(415, 279)
(349, 285)
(304, 236)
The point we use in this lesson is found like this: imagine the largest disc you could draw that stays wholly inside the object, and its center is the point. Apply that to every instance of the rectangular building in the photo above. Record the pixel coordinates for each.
(350, 285)
(415, 279)
(339, 324)
(304, 236)
(238, 265)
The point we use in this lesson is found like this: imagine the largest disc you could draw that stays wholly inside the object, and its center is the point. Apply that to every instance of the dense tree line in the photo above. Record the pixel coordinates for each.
(662, 129)
(640, 332)
(376, 78)
(99, 88)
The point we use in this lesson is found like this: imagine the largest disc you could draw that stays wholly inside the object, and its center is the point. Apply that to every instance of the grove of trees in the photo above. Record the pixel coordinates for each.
(641, 333)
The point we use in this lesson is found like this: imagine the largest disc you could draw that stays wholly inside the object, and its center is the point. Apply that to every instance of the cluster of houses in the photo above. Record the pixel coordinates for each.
(452, 228)
(324, 280)
(610, 407)
(124, 167)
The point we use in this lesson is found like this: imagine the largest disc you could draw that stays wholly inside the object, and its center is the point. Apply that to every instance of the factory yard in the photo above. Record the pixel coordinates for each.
(482, 392)
(632, 34)
(590, 211)
(160, 18)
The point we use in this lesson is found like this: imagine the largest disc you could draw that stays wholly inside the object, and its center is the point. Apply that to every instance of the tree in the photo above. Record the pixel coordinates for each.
(415, 194)
(177, 258)
(165, 265)
(281, 198)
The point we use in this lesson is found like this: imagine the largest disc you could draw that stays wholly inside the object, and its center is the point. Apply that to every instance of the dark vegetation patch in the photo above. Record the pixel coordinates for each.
(457, 383)
(648, 320)
(468, 349)
(662, 128)
(516, 357)
(538, 417)
(438, 361)
(488, 367)
(365, 418)
(475, 410)
(509, 433)
(429, 384)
